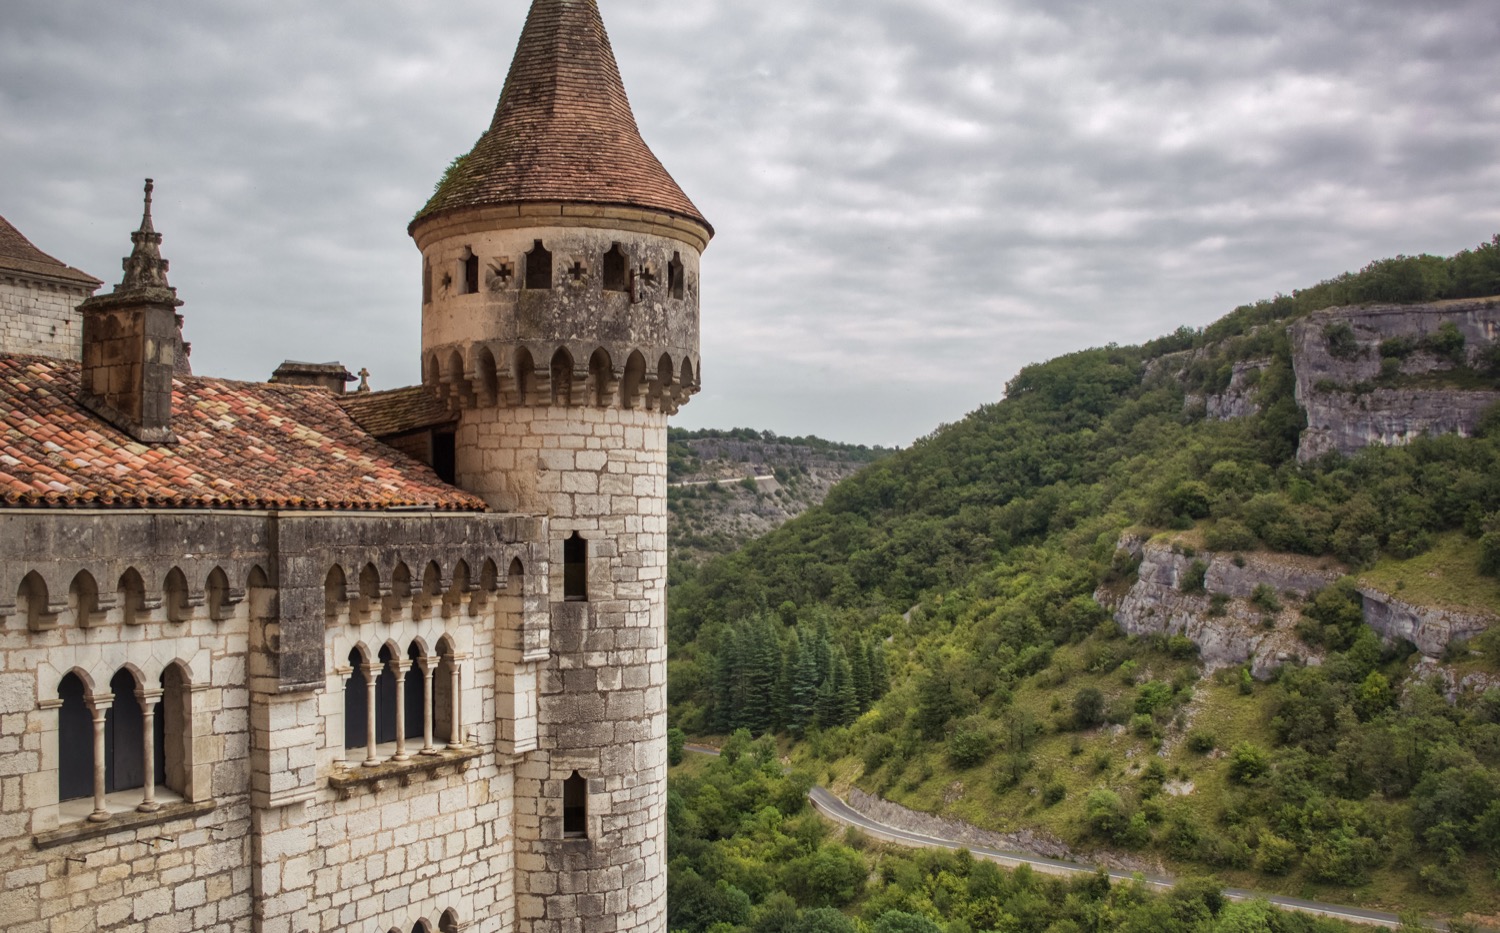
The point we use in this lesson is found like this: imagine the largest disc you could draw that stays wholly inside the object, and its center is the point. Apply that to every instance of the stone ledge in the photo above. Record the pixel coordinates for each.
(77, 832)
(345, 780)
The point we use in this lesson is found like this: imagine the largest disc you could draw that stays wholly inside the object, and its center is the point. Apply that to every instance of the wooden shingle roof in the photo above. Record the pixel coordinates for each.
(564, 130)
(396, 411)
(241, 445)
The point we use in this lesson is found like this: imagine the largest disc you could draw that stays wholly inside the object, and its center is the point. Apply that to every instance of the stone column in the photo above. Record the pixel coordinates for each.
(401, 666)
(148, 700)
(372, 673)
(99, 704)
(456, 732)
(426, 665)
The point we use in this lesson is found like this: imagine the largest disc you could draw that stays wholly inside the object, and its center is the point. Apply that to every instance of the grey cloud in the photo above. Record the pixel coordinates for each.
(914, 198)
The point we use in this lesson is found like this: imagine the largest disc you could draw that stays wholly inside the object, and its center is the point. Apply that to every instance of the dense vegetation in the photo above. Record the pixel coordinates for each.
(747, 854)
(970, 562)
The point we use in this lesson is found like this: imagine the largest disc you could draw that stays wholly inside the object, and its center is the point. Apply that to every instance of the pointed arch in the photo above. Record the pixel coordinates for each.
(385, 693)
(601, 375)
(575, 807)
(356, 700)
(616, 278)
(75, 737)
(687, 373)
(457, 588)
(448, 923)
(665, 376)
(488, 371)
(442, 691)
(369, 593)
(455, 372)
(431, 372)
(635, 375)
(216, 594)
(415, 718)
(676, 276)
(335, 591)
(562, 377)
(131, 595)
(175, 595)
(83, 598)
(538, 268)
(525, 375)
(124, 734)
(32, 594)
(174, 731)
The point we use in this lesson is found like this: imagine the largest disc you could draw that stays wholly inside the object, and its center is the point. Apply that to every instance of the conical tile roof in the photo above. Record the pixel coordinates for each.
(563, 130)
(17, 254)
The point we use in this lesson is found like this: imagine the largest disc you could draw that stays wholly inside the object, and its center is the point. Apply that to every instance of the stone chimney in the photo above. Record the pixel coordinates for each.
(132, 343)
(330, 376)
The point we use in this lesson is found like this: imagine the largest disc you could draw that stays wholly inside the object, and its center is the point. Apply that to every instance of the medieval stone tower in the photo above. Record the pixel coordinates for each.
(560, 317)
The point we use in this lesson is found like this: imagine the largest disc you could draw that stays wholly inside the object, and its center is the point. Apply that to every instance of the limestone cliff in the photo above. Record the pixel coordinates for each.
(1232, 630)
(1380, 374)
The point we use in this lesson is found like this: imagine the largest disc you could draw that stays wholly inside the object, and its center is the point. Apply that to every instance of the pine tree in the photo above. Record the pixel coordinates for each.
(823, 651)
(761, 664)
(859, 666)
(880, 681)
(724, 683)
(847, 705)
(802, 705)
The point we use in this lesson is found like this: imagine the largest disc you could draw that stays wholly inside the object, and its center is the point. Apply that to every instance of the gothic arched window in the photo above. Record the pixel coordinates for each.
(539, 267)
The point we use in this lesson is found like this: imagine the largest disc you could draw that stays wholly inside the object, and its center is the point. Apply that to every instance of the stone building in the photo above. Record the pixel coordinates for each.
(277, 658)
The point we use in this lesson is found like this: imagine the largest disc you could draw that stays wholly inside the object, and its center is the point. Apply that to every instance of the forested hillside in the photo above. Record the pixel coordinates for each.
(726, 488)
(934, 631)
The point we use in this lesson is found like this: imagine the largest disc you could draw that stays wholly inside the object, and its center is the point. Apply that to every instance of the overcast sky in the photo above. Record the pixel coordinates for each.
(913, 198)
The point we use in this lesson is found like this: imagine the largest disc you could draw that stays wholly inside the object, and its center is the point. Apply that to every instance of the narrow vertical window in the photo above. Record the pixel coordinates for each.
(416, 712)
(575, 807)
(676, 273)
(385, 698)
(124, 767)
(539, 267)
(471, 273)
(615, 277)
(576, 569)
(427, 282)
(75, 741)
(356, 705)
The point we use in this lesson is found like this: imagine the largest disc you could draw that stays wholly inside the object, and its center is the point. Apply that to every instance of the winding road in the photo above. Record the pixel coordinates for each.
(835, 809)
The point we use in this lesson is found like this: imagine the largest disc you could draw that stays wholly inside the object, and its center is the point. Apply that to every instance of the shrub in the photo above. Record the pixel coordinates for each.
(1192, 580)
(1088, 708)
(1447, 342)
(1053, 793)
(1106, 813)
(1152, 696)
(1265, 599)
(1201, 741)
(1229, 535)
(1218, 605)
(969, 747)
(1489, 554)
(1181, 647)
(676, 739)
(1248, 763)
(1341, 341)
(1274, 855)
(1143, 725)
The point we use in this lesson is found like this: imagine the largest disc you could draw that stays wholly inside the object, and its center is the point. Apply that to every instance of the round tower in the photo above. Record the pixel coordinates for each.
(560, 317)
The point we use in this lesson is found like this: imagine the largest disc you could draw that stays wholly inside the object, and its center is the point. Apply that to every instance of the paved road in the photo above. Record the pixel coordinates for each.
(826, 803)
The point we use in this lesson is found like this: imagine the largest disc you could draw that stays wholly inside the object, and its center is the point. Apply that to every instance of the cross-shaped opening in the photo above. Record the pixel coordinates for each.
(501, 272)
(576, 271)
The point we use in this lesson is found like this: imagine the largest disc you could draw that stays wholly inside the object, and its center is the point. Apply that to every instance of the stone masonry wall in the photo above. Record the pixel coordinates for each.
(40, 318)
(600, 472)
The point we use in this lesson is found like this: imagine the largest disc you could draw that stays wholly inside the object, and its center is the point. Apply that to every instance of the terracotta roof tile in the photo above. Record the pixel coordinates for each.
(563, 130)
(396, 411)
(240, 445)
(18, 255)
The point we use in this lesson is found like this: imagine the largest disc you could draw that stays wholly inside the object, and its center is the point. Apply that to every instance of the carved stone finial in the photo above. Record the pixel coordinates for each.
(144, 267)
(364, 380)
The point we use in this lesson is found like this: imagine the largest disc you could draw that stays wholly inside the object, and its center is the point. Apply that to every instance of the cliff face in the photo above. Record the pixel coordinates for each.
(1236, 631)
(1387, 374)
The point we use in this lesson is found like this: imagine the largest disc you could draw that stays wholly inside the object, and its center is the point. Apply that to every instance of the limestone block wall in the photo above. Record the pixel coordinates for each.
(184, 866)
(40, 317)
(599, 473)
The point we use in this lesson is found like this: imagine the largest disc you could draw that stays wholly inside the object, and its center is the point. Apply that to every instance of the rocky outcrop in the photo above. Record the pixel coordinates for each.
(1430, 628)
(1356, 396)
(1236, 401)
(1234, 633)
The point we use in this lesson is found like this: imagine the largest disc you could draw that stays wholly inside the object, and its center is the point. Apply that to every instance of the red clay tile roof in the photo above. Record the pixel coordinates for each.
(241, 445)
(396, 411)
(563, 130)
(18, 255)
